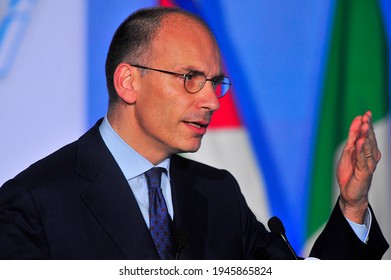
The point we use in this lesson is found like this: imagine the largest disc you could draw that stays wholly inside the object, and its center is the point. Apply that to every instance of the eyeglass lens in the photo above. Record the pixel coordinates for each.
(194, 83)
(222, 86)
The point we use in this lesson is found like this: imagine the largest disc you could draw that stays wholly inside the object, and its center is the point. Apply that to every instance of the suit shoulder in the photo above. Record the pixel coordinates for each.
(52, 167)
(59, 163)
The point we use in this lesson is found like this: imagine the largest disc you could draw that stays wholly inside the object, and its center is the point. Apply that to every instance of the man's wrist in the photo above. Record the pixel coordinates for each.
(362, 229)
(355, 213)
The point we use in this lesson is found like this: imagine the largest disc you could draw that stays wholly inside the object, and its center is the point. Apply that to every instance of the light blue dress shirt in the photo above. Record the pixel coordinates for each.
(133, 166)
(362, 231)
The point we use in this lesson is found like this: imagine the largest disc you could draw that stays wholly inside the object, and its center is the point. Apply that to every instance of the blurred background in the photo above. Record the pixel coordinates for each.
(301, 71)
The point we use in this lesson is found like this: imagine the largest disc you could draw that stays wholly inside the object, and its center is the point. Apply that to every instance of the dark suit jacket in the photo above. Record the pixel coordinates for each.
(76, 204)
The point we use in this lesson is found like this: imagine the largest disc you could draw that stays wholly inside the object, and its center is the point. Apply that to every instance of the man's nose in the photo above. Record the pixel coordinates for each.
(209, 100)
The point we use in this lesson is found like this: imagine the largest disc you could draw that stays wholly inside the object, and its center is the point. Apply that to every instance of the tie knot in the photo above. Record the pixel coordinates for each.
(153, 176)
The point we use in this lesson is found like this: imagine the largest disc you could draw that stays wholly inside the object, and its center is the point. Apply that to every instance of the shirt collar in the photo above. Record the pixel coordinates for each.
(131, 162)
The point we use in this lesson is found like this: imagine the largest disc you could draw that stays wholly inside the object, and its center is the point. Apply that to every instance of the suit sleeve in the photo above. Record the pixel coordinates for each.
(338, 240)
(21, 231)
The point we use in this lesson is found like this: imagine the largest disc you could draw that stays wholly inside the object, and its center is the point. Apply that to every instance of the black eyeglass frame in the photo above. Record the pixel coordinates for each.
(185, 77)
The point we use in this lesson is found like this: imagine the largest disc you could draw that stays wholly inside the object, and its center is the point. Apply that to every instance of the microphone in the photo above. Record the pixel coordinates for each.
(276, 227)
(180, 240)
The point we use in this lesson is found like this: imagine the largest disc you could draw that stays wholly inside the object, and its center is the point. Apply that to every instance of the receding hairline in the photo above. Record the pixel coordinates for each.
(187, 15)
(177, 16)
(191, 17)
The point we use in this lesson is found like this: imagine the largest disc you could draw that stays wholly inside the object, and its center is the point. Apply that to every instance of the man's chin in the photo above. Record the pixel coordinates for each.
(192, 149)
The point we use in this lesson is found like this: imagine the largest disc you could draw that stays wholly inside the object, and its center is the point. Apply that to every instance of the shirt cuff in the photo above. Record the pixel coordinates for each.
(362, 230)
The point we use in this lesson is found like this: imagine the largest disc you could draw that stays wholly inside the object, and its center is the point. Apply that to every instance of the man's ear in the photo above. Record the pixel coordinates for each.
(124, 80)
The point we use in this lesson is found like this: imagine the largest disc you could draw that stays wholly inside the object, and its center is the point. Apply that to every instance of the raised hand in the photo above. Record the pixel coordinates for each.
(356, 166)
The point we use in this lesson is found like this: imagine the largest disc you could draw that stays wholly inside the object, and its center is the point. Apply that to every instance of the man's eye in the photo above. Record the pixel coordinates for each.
(189, 77)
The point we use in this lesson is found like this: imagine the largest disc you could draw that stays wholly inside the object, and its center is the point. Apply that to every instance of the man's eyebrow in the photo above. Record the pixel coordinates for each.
(193, 70)
(196, 72)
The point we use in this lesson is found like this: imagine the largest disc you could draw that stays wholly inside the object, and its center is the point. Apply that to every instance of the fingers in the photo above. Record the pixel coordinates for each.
(367, 152)
(371, 149)
(347, 163)
(361, 146)
(354, 133)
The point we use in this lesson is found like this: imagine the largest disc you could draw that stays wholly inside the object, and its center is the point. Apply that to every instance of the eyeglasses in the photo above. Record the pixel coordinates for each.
(194, 81)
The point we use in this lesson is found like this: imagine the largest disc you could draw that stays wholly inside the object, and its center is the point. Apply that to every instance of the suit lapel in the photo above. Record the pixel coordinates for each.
(111, 200)
(190, 210)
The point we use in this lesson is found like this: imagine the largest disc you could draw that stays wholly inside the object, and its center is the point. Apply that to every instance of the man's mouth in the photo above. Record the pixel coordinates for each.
(197, 124)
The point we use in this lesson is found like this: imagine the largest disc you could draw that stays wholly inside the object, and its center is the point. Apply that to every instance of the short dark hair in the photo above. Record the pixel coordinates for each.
(133, 38)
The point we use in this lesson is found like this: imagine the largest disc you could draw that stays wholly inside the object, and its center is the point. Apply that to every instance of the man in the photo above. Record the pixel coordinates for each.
(93, 198)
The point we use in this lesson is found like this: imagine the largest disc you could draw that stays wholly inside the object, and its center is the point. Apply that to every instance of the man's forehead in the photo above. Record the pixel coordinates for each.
(178, 20)
(186, 44)
(178, 24)
(181, 18)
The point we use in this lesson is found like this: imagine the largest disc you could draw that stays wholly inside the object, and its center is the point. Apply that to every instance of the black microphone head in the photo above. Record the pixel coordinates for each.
(276, 226)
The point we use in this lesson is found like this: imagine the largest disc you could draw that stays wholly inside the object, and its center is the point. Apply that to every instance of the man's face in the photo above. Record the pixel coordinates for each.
(171, 120)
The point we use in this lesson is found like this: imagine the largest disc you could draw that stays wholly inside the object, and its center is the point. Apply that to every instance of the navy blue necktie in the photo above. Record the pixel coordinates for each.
(159, 218)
